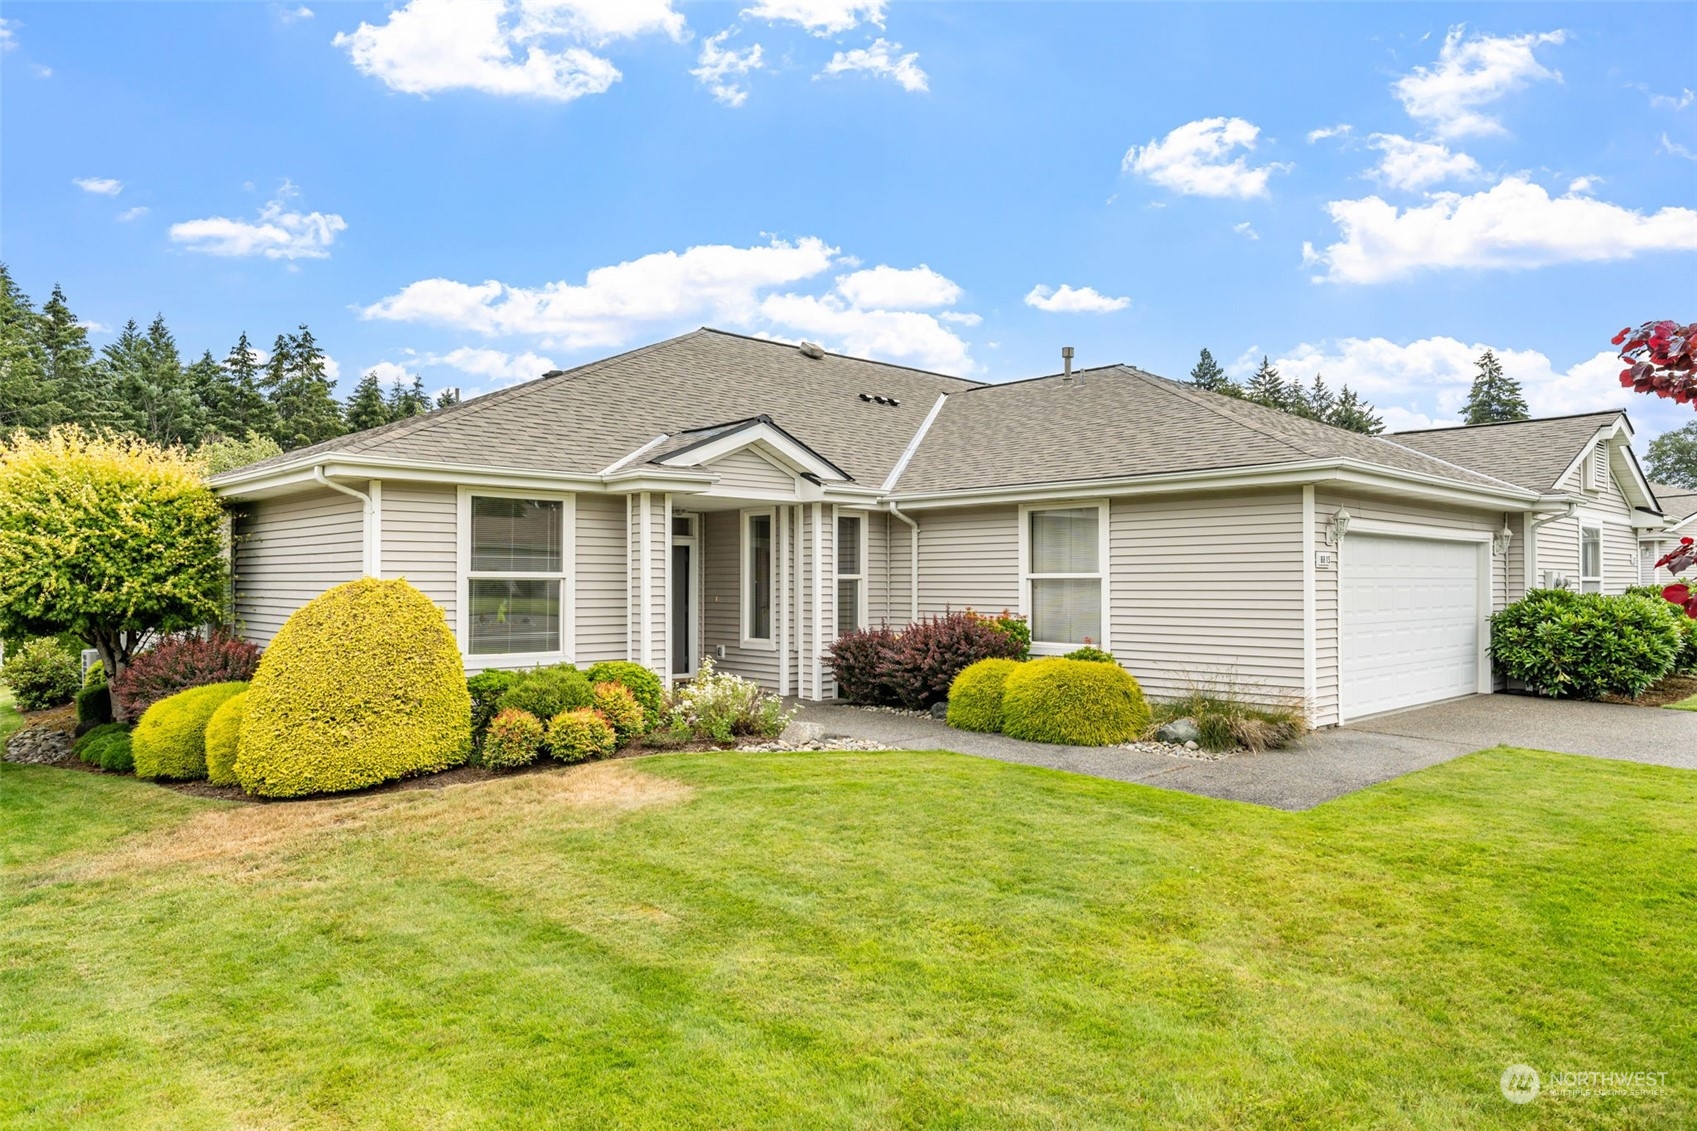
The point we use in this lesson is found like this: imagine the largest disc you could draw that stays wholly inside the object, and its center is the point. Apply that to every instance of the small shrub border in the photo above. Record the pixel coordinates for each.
(514, 738)
(580, 734)
(169, 740)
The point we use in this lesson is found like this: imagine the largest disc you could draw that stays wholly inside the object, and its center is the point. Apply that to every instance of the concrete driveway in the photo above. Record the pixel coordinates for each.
(1329, 763)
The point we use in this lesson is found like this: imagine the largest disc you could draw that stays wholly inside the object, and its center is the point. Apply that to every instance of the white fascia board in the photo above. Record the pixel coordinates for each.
(1410, 484)
(283, 479)
(795, 457)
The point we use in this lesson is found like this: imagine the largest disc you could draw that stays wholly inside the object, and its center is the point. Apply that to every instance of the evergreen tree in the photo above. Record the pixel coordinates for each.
(447, 397)
(162, 406)
(408, 400)
(1495, 396)
(1355, 414)
(212, 391)
(307, 411)
(1268, 388)
(1209, 374)
(1319, 401)
(248, 409)
(366, 408)
(27, 399)
(69, 367)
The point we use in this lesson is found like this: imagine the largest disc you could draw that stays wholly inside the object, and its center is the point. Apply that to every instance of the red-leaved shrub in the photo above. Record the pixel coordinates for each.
(914, 668)
(178, 663)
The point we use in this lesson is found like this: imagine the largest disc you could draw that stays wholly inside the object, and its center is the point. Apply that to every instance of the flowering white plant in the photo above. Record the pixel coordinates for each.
(723, 706)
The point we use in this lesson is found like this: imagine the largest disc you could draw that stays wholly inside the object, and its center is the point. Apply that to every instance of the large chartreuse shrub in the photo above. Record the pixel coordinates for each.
(975, 697)
(222, 731)
(643, 685)
(1586, 645)
(362, 684)
(1075, 702)
(170, 739)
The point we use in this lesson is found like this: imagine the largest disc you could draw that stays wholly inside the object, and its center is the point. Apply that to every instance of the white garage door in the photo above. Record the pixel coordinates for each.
(1410, 610)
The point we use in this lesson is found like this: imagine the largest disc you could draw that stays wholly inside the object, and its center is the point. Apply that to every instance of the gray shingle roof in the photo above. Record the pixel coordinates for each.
(1531, 453)
(587, 418)
(1119, 421)
(1678, 503)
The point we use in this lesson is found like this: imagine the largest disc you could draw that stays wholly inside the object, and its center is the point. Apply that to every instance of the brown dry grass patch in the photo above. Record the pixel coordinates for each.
(255, 838)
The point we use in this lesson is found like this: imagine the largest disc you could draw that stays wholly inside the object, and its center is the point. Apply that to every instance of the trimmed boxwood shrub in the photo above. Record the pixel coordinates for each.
(1586, 645)
(579, 735)
(514, 738)
(621, 710)
(178, 663)
(94, 707)
(486, 689)
(545, 692)
(975, 697)
(223, 730)
(362, 684)
(1074, 702)
(42, 673)
(170, 738)
(106, 746)
(643, 685)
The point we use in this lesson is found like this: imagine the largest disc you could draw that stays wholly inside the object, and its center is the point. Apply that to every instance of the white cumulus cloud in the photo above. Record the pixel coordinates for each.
(883, 60)
(1451, 96)
(135, 213)
(1342, 129)
(1414, 165)
(534, 48)
(1192, 159)
(821, 17)
(100, 186)
(720, 67)
(1067, 299)
(1512, 224)
(496, 365)
(907, 336)
(279, 232)
(887, 288)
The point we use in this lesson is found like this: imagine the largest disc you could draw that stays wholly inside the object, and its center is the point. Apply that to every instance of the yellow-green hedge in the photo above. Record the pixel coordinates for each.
(222, 729)
(170, 739)
(975, 697)
(1074, 702)
(362, 684)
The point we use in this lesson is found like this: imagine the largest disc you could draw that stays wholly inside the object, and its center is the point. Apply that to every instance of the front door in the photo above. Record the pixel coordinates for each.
(686, 599)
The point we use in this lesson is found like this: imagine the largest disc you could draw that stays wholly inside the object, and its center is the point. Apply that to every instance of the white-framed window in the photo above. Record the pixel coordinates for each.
(1599, 477)
(1590, 559)
(851, 571)
(759, 578)
(1063, 574)
(515, 552)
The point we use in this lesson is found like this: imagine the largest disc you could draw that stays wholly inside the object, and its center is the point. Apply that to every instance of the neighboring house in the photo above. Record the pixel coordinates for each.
(1679, 504)
(1594, 543)
(728, 496)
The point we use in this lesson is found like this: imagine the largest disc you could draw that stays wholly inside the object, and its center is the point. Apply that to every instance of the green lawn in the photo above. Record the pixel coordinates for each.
(849, 940)
(10, 718)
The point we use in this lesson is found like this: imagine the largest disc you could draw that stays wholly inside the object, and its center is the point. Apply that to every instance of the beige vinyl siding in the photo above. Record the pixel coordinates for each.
(289, 550)
(1558, 541)
(747, 471)
(1514, 579)
(601, 584)
(891, 600)
(1377, 508)
(419, 543)
(1208, 589)
(968, 558)
(721, 600)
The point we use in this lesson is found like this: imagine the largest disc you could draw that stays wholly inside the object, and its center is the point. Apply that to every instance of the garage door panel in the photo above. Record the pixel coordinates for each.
(1410, 611)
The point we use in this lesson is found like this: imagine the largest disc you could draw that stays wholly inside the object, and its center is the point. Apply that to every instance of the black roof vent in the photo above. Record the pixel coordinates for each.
(879, 398)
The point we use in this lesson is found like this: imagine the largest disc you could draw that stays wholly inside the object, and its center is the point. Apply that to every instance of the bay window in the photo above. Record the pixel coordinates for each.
(514, 558)
(1063, 574)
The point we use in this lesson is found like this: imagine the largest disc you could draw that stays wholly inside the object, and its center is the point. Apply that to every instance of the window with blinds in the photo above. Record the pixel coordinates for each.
(1590, 559)
(851, 572)
(1064, 574)
(513, 589)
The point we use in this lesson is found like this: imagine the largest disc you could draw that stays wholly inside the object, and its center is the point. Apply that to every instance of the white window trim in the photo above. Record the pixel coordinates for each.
(463, 576)
(859, 575)
(1050, 647)
(745, 596)
(1602, 560)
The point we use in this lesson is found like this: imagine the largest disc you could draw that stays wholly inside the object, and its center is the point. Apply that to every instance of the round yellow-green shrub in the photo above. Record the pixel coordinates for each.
(170, 739)
(975, 697)
(580, 734)
(1073, 702)
(621, 710)
(222, 730)
(361, 685)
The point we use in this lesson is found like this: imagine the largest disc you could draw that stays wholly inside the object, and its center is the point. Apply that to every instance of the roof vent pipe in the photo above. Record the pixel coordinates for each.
(1066, 366)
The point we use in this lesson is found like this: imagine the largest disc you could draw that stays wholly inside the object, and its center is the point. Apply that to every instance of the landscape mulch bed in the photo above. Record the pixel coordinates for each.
(1670, 689)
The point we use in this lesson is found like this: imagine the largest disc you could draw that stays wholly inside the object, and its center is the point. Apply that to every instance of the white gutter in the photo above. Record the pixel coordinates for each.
(369, 517)
(913, 567)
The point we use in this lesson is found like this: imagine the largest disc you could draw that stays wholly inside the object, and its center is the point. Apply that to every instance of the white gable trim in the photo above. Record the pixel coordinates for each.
(774, 443)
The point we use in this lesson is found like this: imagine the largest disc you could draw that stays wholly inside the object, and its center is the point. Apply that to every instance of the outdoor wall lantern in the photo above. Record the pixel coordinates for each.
(1501, 539)
(1339, 527)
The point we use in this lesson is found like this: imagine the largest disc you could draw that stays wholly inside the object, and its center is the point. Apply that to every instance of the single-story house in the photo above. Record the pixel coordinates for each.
(726, 496)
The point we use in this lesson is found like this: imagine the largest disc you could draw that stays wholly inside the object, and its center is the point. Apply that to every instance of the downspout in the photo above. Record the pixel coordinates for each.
(367, 515)
(913, 565)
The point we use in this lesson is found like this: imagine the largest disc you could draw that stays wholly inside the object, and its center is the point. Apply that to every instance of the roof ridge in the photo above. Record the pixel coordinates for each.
(984, 385)
(844, 356)
(1501, 423)
(1202, 397)
(1451, 463)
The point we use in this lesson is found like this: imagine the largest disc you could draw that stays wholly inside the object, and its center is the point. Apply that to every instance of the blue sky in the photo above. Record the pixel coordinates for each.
(480, 191)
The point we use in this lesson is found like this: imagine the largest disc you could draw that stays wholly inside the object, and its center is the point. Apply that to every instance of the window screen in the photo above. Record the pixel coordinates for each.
(514, 615)
(1064, 541)
(515, 535)
(759, 582)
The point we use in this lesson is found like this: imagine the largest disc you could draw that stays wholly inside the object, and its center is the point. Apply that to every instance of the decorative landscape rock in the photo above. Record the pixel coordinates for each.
(1179, 732)
(799, 734)
(38, 746)
(940, 710)
(779, 746)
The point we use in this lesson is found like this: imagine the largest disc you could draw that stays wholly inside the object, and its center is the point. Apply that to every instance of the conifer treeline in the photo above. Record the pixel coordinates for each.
(139, 383)
(1316, 401)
